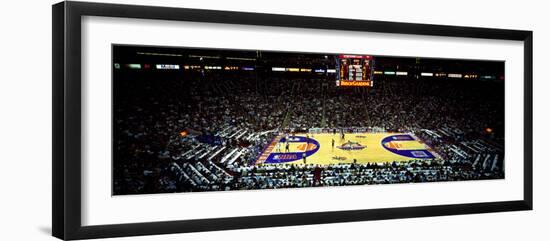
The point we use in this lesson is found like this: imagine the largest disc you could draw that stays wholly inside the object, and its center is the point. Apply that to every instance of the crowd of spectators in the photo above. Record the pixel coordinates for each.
(204, 132)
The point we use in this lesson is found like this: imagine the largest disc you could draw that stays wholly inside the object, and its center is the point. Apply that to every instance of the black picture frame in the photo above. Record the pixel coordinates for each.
(66, 75)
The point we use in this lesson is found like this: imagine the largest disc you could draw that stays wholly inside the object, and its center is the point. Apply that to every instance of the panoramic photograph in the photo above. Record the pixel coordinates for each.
(203, 119)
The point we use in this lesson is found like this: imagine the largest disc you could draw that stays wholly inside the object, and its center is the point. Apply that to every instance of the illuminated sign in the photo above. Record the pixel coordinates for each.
(470, 76)
(167, 66)
(351, 56)
(355, 83)
(117, 66)
(231, 68)
(354, 70)
(488, 77)
(427, 74)
(282, 69)
(389, 72)
(212, 67)
(331, 71)
(191, 67)
(399, 73)
(454, 75)
(378, 72)
(247, 68)
(440, 74)
(134, 66)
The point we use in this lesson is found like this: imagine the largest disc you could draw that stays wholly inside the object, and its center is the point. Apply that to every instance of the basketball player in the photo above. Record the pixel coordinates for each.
(332, 143)
(287, 147)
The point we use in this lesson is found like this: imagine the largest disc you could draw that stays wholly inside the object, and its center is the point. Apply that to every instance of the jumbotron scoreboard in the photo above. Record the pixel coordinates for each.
(355, 70)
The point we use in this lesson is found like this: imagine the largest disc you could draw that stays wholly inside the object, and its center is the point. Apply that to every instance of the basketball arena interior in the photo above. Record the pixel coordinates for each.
(192, 119)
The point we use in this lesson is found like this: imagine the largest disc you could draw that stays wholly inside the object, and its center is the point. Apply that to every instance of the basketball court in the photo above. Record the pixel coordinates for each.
(361, 147)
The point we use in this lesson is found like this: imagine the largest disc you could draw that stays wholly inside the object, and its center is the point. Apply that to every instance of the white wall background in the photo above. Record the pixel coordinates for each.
(25, 119)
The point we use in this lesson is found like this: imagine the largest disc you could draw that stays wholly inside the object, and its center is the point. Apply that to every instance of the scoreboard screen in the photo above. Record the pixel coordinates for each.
(354, 70)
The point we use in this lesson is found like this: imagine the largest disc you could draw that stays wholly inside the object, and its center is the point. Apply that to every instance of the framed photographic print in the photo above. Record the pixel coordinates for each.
(170, 120)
